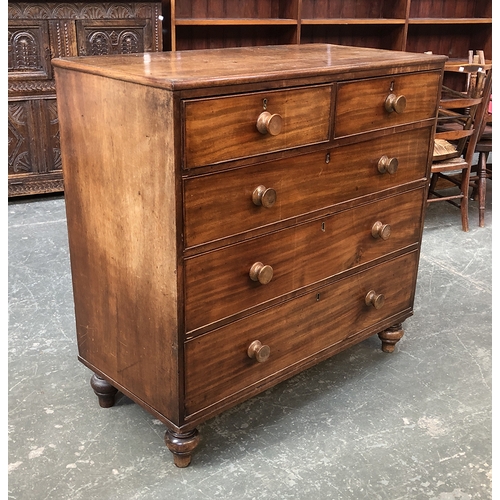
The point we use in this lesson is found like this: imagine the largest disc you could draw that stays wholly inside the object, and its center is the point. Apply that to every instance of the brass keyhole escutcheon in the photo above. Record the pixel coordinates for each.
(269, 124)
(374, 299)
(263, 196)
(258, 351)
(261, 273)
(380, 230)
(387, 165)
(395, 103)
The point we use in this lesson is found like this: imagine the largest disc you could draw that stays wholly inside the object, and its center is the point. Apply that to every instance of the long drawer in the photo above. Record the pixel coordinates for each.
(366, 105)
(218, 364)
(301, 185)
(226, 128)
(222, 282)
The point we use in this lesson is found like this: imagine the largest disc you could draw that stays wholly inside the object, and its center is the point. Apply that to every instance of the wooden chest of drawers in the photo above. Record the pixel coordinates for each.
(238, 215)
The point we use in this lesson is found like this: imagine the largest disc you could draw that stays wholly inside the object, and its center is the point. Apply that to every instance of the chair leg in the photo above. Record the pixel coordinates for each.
(434, 179)
(464, 202)
(481, 189)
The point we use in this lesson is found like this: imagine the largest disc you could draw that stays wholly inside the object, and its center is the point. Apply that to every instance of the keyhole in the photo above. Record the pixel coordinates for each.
(264, 104)
(323, 226)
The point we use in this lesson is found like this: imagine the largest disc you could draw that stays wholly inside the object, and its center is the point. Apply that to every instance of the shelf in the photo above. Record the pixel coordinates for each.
(189, 37)
(451, 20)
(453, 40)
(353, 21)
(234, 22)
(357, 35)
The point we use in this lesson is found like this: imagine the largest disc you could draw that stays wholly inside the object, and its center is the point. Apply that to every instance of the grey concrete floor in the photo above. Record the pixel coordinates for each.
(415, 424)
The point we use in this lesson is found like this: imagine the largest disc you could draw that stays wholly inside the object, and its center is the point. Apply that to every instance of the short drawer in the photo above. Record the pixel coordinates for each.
(227, 128)
(218, 364)
(223, 282)
(234, 201)
(378, 103)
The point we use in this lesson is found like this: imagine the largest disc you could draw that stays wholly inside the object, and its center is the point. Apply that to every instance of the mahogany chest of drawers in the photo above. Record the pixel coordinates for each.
(236, 216)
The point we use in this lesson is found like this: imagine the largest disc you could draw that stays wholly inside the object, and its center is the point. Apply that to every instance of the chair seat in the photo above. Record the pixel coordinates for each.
(449, 165)
(444, 150)
(484, 146)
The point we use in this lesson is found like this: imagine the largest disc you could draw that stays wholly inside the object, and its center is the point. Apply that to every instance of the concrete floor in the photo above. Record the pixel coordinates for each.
(415, 424)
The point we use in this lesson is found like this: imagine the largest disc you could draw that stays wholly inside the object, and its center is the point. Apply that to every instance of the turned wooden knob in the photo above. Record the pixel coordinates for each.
(389, 165)
(374, 299)
(380, 230)
(261, 273)
(269, 124)
(264, 196)
(395, 103)
(258, 351)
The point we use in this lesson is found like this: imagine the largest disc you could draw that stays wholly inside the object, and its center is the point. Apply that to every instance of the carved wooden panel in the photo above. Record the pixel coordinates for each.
(20, 128)
(40, 31)
(100, 38)
(33, 138)
(28, 52)
(62, 38)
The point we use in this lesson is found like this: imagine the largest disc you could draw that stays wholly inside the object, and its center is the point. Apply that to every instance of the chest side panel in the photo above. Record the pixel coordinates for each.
(121, 209)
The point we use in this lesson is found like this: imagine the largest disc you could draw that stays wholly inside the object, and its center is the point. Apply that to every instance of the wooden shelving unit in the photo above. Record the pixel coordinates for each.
(442, 27)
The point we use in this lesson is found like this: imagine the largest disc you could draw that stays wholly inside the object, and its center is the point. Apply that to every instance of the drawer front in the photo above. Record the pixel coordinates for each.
(218, 365)
(231, 202)
(225, 128)
(361, 105)
(218, 283)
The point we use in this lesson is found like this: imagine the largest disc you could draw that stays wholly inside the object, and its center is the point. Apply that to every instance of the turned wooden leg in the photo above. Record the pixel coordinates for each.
(391, 337)
(182, 445)
(481, 189)
(104, 391)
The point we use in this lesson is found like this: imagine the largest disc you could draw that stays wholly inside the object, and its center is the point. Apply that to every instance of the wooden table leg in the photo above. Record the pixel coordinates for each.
(182, 445)
(391, 337)
(104, 391)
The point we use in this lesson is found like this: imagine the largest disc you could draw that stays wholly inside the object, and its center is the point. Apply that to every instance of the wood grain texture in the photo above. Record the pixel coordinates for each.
(303, 184)
(218, 284)
(124, 275)
(361, 104)
(218, 366)
(183, 70)
(223, 129)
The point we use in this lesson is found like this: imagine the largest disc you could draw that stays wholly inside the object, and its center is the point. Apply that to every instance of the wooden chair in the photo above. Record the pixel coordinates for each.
(459, 122)
(483, 170)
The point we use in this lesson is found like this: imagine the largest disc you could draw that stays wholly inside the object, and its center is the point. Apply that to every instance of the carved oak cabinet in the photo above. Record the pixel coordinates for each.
(39, 31)
(236, 216)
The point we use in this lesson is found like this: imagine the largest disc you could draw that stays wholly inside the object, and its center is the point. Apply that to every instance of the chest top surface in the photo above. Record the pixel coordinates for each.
(217, 67)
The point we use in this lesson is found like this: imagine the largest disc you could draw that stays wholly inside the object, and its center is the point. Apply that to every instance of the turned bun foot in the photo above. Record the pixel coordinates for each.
(104, 391)
(182, 445)
(391, 337)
